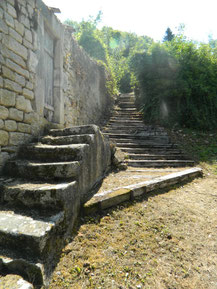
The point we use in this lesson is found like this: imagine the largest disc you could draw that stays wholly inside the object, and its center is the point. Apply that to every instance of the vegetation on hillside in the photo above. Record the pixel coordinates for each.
(175, 81)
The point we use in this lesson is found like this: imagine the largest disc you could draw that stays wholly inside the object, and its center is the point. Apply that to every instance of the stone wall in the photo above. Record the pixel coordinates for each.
(84, 85)
(46, 79)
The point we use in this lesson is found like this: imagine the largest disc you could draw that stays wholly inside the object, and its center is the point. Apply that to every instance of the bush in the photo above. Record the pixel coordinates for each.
(178, 83)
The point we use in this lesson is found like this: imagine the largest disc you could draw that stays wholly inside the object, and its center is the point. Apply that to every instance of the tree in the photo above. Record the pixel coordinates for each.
(168, 35)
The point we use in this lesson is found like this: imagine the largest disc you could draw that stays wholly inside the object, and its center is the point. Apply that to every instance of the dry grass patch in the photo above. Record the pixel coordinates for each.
(166, 240)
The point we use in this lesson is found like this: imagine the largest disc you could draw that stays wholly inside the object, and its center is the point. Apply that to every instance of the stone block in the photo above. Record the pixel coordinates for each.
(27, 44)
(10, 125)
(31, 117)
(3, 26)
(9, 19)
(23, 19)
(19, 27)
(12, 2)
(28, 94)
(28, 35)
(7, 73)
(29, 85)
(4, 112)
(28, 105)
(4, 137)
(21, 103)
(14, 57)
(32, 61)
(7, 98)
(16, 138)
(11, 85)
(23, 127)
(2, 124)
(15, 35)
(3, 4)
(15, 67)
(11, 10)
(15, 46)
(15, 114)
(20, 79)
(30, 10)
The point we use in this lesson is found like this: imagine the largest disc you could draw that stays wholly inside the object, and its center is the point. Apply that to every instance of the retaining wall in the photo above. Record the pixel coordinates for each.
(46, 79)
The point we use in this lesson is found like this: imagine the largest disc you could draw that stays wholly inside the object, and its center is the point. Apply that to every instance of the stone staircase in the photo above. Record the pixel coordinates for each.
(40, 197)
(144, 145)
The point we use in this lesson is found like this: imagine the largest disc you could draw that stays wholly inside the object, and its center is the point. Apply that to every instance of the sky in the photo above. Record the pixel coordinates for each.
(146, 17)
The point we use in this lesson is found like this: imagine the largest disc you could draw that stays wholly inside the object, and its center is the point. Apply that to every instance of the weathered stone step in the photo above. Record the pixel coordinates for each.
(124, 128)
(75, 130)
(29, 194)
(31, 235)
(56, 153)
(127, 110)
(128, 113)
(126, 122)
(126, 118)
(144, 140)
(43, 171)
(127, 105)
(156, 157)
(159, 163)
(152, 150)
(114, 135)
(145, 145)
(69, 139)
(14, 263)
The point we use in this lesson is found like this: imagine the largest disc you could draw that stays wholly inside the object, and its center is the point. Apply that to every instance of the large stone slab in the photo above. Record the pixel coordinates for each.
(108, 199)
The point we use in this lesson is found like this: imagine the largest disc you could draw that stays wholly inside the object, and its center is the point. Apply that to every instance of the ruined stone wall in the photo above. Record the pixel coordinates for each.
(78, 84)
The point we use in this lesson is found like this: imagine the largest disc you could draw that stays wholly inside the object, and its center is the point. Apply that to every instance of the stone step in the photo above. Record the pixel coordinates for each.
(126, 122)
(127, 105)
(127, 110)
(114, 135)
(75, 130)
(144, 140)
(159, 163)
(152, 150)
(14, 263)
(145, 145)
(43, 171)
(128, 113)
(156, 157)
(126, 118)
(30, 234)
(24, 193)
(124, 128)
(56, 153)
(69, 139)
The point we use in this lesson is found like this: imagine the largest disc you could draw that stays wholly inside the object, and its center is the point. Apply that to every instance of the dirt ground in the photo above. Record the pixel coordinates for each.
(168, 239)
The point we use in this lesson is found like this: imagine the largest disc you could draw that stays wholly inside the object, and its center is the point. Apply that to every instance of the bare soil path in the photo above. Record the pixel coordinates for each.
(167, 240)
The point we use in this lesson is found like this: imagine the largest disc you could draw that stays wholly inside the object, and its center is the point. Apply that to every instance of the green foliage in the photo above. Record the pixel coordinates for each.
(178, 83)
(113, 47)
